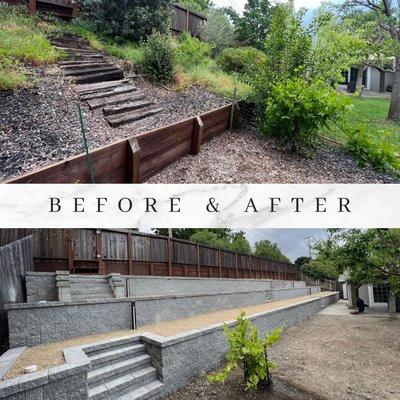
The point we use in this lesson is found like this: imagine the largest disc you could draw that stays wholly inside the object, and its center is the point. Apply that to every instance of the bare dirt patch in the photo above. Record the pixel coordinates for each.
(244, 156)
(39, 125)
(324, 357)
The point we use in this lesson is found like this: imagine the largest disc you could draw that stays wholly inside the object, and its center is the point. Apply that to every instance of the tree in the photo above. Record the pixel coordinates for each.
(302, 260)
(218, 31)
(369, 256)
(201, 6)
(252, 27)
(268, 249)
(386, 13)
(126, 20)
(186, 233)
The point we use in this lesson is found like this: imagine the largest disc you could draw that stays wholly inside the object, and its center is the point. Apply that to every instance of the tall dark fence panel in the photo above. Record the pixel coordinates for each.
(15, 259)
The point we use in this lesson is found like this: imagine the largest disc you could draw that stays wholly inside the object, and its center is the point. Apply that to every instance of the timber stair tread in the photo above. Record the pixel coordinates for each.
(126, 107)
(126, 118)
(95, 87)
(116, 99)
(101, 64)
(109, 92)
(89, 71)
(100, 76)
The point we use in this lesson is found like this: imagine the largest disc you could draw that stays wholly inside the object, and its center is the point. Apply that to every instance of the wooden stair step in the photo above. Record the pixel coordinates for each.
(89, 71)
(100, 77)
(117, 99)
(125, 107)
(86, 65)
(81, 62)
(109, 92)
(76, 50)
(126, 118)
(82, 57)
(95, 87)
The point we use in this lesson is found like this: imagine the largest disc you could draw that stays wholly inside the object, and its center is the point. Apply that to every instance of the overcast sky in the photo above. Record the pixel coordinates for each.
(238, 5)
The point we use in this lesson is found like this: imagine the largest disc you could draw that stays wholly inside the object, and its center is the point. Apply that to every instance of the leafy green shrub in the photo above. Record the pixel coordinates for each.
(126, 20)
(296, 109)
(380, 155)
(158, 58)
(191, 52)
(242, 60)
(218, 31)
(248, 350)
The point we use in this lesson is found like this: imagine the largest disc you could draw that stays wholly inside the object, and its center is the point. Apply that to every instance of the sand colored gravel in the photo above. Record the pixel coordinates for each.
(51, 355)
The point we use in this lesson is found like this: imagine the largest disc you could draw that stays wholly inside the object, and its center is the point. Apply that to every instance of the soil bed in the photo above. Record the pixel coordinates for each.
(243, 156)
(339, 357)
(40, 125)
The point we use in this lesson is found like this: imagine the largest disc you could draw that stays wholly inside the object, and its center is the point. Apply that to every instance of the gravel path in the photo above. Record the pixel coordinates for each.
(50, 355)
(243, 156)
(325, 357)
(40, 125)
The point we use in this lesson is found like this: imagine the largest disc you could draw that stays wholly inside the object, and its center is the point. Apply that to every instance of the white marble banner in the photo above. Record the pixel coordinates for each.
(196, 206)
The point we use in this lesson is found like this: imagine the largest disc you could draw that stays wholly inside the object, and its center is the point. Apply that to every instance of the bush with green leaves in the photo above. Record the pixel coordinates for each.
(296, 109)
(192, 52)
(218, 31)
(382, 156)
(127, 20)
(158, 58)
(248, 350)
(242, 60)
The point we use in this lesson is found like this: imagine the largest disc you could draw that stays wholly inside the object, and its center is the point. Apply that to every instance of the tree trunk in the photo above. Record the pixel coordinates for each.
(353, 295)
(359, 79)
(392, 305)
(382, 76)
(394, 108)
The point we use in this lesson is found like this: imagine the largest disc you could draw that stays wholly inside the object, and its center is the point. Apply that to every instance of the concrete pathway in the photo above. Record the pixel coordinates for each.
(341, 309)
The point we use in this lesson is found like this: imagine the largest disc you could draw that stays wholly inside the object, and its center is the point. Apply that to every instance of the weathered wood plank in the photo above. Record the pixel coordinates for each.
(197, 135)
(94, 87)
(126, 118)
(90, 71)
(115, 99)
(86, 65)
(125, 107)
(109, 92)
(100, 77)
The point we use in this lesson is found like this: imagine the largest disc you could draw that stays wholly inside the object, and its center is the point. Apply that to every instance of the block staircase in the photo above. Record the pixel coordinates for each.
(90, 287)
(121, 369)
(101, 84)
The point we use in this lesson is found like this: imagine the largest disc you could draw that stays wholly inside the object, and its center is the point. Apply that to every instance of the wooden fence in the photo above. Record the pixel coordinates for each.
(185, 20)
(136, 159)
(15, 259)
(66, 9)
(133, 253)
(325, 284)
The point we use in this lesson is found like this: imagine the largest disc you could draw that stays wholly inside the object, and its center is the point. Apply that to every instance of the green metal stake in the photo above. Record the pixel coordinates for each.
(85, 145)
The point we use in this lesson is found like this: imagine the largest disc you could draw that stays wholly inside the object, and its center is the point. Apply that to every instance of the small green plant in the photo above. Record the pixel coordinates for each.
(158, 58)
(241, 60)
(191, 52)
(296, 109)
(382, 156)
(248, 350)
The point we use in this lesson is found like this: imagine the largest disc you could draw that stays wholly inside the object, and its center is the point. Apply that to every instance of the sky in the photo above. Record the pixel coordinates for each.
(238, 5)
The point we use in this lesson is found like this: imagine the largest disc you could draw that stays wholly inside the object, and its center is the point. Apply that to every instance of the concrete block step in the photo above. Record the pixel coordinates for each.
(89, 71)
(109, 92)
(120, 354)
(115, 99)
(126, 118)
(100, 77)
(93, 349)
(116, 370)
(88, 279)
(90, 297)
(123, 384)
(152, 391)
(82, 286)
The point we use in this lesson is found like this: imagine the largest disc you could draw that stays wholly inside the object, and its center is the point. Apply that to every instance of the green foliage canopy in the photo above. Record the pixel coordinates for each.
(266, 248)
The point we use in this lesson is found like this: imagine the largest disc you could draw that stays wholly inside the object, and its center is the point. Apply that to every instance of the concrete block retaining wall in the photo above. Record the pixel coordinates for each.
(160, 309)
(40, 286)
(181, 358)
(66, 382)
(288, 293)
(30, 325)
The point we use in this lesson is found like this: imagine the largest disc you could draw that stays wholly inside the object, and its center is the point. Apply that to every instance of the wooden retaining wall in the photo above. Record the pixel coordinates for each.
(136, 159)
(133, 253)
(15, 259)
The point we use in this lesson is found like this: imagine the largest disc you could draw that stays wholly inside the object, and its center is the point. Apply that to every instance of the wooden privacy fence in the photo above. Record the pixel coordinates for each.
(136, 159)
(15, 259)
(185, 20)
(133, 253)
(325, 284)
